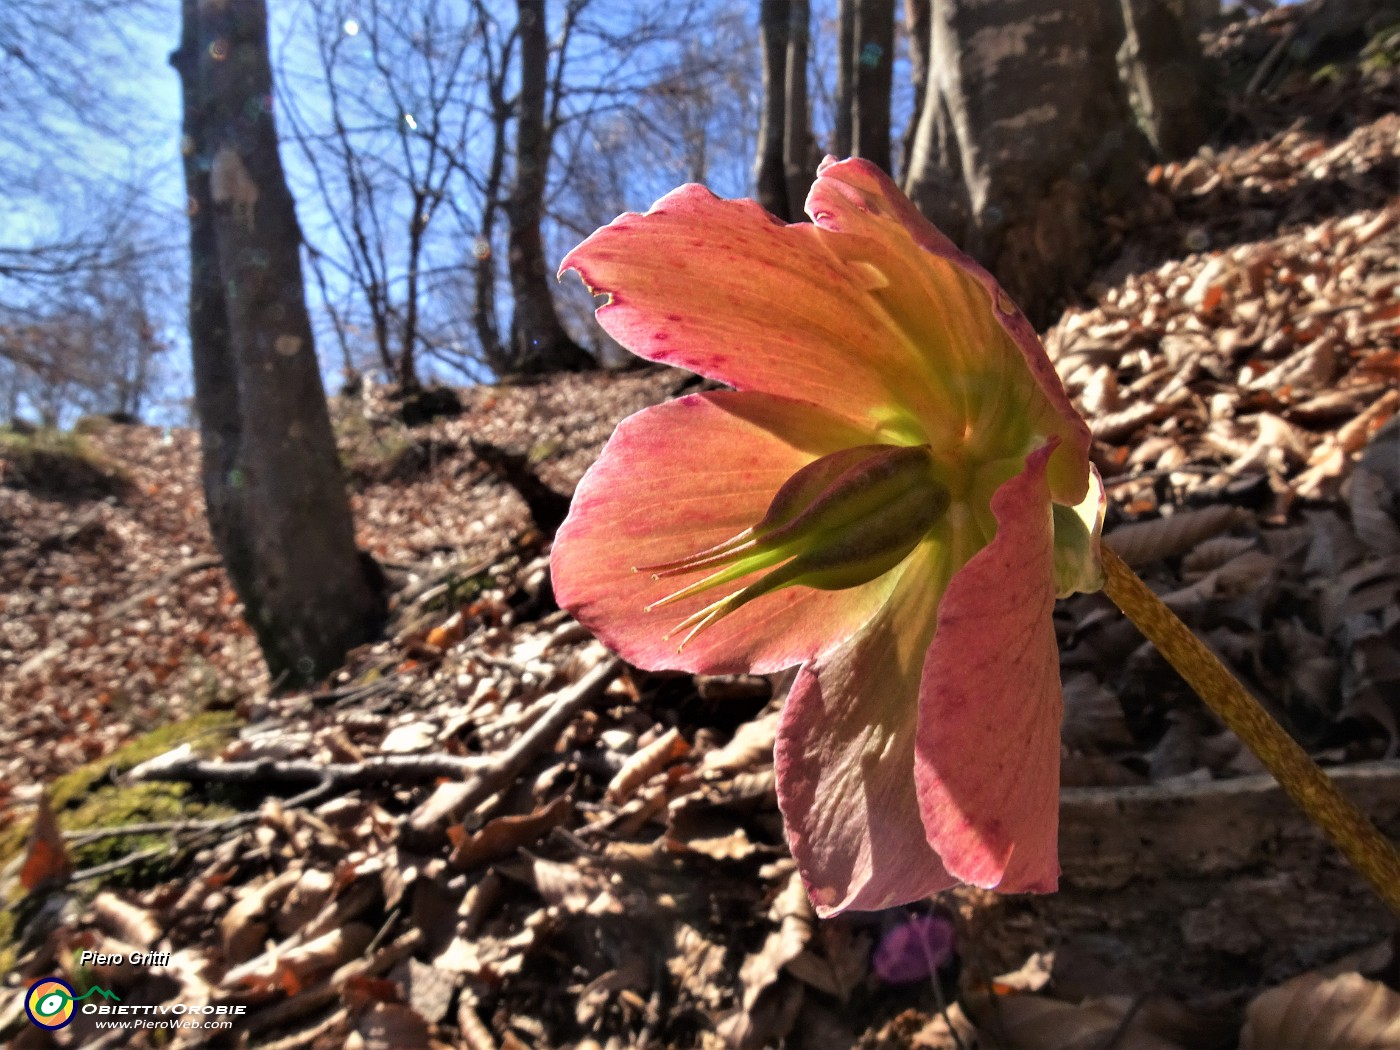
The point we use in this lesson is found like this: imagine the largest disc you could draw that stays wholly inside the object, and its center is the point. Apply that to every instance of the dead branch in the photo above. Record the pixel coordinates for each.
(450, 800)
(1108, 836)
(478, 777)
(182, 765)
(98, 871)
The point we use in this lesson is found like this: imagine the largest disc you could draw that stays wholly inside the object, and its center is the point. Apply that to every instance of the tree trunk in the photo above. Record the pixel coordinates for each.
(1168, 80)
(800, 158)
(1025, 139)
(484, 316)
(845, 76)
(275, 498)
(874, 67)
(538, 341)
(917, 14)
(408, 352)
(769, 174)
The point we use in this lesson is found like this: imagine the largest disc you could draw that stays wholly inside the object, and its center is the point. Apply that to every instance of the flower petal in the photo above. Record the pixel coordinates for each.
(722, 288)
(1078, 529)
(674, 480)
(845, 755)
(931, 292)
(987, 761)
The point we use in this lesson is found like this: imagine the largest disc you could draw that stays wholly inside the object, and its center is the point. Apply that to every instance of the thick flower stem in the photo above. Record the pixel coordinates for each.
(1353, 833)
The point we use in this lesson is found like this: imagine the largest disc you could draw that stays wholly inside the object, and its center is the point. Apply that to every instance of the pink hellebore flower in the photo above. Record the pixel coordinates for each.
(891, 497)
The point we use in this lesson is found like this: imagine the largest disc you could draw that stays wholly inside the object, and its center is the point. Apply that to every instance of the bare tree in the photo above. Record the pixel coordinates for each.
(497, 61)
(85, 333)
(873, 64)
(770, 177)
(917, 14)
(844, 133)
(538, 341)
(786, 158)
(384, 160)
(1170, 85)
(864, 79)
(799, 149)
(275, 498)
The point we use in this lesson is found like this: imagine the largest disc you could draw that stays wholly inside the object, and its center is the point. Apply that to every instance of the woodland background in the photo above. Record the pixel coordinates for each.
(435, 811)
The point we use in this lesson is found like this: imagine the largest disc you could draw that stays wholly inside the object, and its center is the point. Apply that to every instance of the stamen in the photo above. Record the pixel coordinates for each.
(754, 562)
(673, 568)
(698, 621)
(697, 562)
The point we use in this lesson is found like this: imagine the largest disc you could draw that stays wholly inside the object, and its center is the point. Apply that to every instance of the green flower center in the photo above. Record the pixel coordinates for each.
(842, 520)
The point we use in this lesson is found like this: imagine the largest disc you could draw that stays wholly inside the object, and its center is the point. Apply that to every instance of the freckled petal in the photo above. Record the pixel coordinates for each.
(674, 480)
(957, 310)
(845, 758)
(722, 288)
(988, 755)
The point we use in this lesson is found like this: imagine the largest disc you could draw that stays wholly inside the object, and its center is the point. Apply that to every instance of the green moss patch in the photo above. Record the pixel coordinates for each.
(59, 464)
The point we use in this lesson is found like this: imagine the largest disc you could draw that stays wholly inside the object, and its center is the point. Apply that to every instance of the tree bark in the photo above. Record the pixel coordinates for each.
(917, 15)
(1168, 81)
(539, 342)
(800, 158)
(275, 498)
(769, 174)
(874, 68)
(1025, 139)
(845, 76)
(484, 315)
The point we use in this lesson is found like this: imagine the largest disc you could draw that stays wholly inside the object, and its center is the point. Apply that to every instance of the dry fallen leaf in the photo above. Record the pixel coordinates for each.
(646, 763)
(1312, 1012)
(46, 860)
(1038, 1022)
(1142, 543)
(504, 835)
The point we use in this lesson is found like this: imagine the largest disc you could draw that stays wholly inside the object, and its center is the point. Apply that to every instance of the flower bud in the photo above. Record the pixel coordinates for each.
(841, 521)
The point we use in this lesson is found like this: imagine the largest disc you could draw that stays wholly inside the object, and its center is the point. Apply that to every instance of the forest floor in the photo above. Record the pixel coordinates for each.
(485, 832)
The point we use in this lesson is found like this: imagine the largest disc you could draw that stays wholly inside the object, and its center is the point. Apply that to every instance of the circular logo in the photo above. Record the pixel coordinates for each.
(49, 1003)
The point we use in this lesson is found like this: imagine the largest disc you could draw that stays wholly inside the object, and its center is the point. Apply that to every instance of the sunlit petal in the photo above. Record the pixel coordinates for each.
(954, 310)
(674, 480)
(987, 761)
(845, 757)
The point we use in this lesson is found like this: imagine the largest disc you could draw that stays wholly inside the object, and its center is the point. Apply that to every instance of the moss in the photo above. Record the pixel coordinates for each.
(207, 732)
(85, 425)
(58, 463)
(88, 797)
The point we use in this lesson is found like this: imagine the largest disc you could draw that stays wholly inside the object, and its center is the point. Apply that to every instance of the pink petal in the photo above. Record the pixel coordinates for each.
(923, 266)
(674, 480)
(987, 762)
(845, 757)
(722, 288)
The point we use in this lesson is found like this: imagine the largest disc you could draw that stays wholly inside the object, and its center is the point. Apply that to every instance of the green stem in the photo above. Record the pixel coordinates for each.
(1352, 832)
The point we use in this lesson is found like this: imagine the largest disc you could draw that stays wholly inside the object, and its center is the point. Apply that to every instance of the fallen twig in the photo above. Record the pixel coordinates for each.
(182, 765)
(158, 827)
(479, 776)
(97, 871)
(207, 561)
(498, 770)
